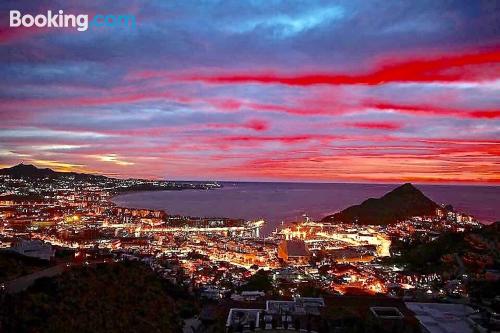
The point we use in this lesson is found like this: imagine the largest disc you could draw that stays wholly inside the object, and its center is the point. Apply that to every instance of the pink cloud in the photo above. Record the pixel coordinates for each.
(445, 68)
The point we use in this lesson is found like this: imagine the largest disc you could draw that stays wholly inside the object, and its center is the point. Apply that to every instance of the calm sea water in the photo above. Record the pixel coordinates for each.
(276, 202)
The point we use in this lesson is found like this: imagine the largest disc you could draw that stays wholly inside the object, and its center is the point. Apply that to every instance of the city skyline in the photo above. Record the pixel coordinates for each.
(316, 91)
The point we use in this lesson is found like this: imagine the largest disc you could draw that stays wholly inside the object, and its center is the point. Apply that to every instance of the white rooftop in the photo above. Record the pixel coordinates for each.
(443, 318)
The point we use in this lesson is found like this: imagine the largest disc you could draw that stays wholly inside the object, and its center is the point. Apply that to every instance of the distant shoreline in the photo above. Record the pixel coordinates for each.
(276, 202)
(119, 194)
(335, 183)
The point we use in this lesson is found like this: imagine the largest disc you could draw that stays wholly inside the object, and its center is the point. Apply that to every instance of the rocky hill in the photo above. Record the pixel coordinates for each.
(30, 171)
(403, 202)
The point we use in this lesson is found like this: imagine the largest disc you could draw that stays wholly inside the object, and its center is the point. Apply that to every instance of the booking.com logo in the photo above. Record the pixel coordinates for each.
(61, 20)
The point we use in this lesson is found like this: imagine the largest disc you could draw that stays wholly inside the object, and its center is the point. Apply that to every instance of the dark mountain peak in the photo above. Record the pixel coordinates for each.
(23, 166)
(406, 189)
(22, 170)
(28, 167)
(401, 203)
(26, 170)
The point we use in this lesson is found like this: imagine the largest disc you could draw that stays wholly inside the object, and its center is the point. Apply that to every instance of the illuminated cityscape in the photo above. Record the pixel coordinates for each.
(214, 257)
(216, 166)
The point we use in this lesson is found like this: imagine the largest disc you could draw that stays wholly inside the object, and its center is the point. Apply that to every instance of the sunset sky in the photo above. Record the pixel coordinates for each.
(345, 91)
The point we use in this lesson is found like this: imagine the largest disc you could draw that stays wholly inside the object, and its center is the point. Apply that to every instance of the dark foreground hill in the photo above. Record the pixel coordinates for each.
(401, 203)
(14, 265)
(117, 297)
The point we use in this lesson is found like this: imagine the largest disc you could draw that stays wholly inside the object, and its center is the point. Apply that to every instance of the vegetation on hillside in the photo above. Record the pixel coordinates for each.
(445, 252)
(118, 297)
(13, 265)
(260, 281)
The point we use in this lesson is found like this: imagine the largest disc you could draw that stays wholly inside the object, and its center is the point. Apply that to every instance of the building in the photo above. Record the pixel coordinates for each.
(387, 318)
(242, 320)
(445, 318)
(300, 313)
(294, 251)
(33, 248)
(248, 296)
(211, 293)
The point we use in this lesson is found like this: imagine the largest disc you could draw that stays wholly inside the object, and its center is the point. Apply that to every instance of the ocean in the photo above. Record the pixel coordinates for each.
(287, 202)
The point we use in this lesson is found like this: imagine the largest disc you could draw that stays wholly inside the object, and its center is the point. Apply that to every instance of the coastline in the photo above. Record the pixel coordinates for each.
(276, 202)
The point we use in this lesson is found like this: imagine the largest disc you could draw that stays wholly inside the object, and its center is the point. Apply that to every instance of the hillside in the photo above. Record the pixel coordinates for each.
(30, 171)
(13, 265)
(118, 297)
(477, 250)
(401, 203)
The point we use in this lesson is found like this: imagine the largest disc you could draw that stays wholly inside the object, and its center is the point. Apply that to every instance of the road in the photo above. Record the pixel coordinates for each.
(23, 282)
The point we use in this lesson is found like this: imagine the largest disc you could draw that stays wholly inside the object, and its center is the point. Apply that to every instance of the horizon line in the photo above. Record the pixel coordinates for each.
(96, 173)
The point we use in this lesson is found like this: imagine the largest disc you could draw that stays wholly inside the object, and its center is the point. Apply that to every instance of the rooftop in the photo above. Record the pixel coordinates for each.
(443, 318)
